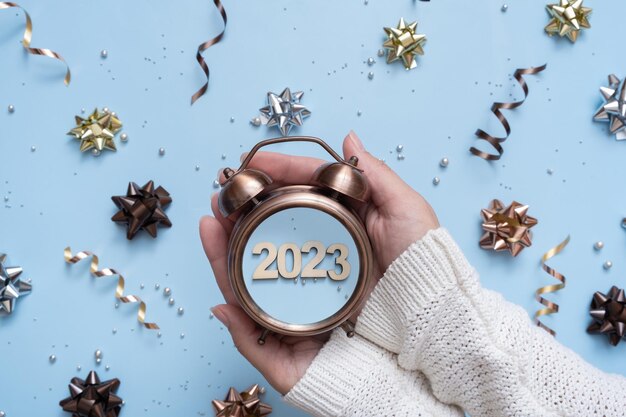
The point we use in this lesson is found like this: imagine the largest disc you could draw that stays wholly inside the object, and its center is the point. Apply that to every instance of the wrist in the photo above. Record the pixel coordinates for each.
(428, 268)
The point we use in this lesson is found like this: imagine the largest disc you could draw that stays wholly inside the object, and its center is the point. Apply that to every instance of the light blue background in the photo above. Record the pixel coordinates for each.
(293, 302)
(58, 196)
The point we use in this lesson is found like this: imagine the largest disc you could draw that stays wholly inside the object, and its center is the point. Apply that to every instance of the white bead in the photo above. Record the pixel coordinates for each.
(157, 286)
(399, 148)
(114, 330)
(436, 181)
(52, 358)
(104, 53)
(370, 75)
(598, 245)
(444, 162)
(607, 265)
(167, 291)
(107, 367)
(232, 120)
(371, 61)
(11, 108)
(381, 52)
(124, 137)
(33, 148)
(98, 353)
(171, 301)
(216, 184)
(182, 335)
(181, 311)
(78, 367)
(161, 151)
(142, 286)
(95, 152)
(197, 167)
(256, 121)
(358, 113)
(504, 7)
(400, 157)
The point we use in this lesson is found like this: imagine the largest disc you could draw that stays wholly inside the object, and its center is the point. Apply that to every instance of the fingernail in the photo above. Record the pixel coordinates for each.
(356, 141)
(217, 312)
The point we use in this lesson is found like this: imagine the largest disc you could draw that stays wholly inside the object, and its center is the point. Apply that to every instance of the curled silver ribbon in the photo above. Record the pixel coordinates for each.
(495, 141)
(28, 35)
(107, 272)
(203, 47)
(550, 307)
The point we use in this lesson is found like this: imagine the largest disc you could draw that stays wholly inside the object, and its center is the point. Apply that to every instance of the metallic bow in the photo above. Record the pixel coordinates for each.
(506, 228)
(142, 208)
(284, 111)
(96, 131)
(92, 398)
(609, 314)
(614, 108)
(403, 43)
(11, 287)
(569, 17)
(244, 404)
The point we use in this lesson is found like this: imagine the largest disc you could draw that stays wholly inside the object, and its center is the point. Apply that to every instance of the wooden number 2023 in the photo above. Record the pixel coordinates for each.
(309, 271)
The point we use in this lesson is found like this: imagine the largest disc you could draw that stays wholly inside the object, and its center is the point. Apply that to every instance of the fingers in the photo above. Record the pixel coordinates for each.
(285, 169)
(385, 185)
(267, 358)
(215, 243)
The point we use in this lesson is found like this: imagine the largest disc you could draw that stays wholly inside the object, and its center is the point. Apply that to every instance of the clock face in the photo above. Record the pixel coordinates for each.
(300, 265)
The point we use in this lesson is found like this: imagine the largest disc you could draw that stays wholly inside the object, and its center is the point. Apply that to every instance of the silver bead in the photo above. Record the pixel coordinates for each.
(223, 156)
(6, 198)
(358, 113)
(79, 368)
(182, 335)
(171, 301)
(370, 75)
(303, 281)
(400, 157)
(52, 358)
(444, 162)
(157, 286)
(339, 288)
(105, 109)
(104, 53)
(181, 311)
(98, 353)
(95, 152)
(142, 286)
(549, 171)
(114, 330)
(124, 137)
(598, 245)
(107, 367)
(436, 181)
(504, 7)
(381, 52)
(82, 110)
(197, 167)
(256, 121)
(211, 316)
(159, 334)
(11, 108)
(607, 265)
(3, 414)
(261, 391)
(33, 148)
(399, 148)
(371, 61)
(167, 291)
(161, 151)
(98, 360)
(624, 222)
(216, 184)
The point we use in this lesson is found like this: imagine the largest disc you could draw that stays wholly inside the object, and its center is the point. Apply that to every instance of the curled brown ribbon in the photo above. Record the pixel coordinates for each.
(107, 272)
(550, 307)
(495, 141)
(206, 45)
(28, 35)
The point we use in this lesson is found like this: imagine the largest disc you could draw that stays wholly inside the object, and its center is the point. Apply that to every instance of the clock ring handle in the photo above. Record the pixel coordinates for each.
(352, 161)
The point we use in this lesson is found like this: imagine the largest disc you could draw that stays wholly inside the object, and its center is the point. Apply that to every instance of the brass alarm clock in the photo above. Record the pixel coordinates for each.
(299, 259)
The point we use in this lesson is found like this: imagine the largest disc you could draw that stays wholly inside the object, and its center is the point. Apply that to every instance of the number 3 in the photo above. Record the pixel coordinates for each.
(309, 270)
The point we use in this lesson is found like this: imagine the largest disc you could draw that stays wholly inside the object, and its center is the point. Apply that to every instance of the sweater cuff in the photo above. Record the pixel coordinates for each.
(428, 268)
(337, 376)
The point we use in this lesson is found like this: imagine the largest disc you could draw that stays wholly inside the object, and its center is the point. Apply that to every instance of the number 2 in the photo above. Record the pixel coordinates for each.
(261, 272)
(309, 270)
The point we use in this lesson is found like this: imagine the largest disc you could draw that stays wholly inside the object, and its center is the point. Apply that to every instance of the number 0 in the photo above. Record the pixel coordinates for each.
(282, 261)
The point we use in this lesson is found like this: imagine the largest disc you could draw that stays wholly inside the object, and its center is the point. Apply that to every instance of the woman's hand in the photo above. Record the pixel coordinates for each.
(395, 217)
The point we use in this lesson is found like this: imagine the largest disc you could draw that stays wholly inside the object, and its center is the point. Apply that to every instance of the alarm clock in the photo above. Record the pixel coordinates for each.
(299, 258)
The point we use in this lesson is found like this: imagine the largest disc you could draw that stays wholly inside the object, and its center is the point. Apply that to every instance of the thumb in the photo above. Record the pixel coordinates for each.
(385, 184)
(245, 334)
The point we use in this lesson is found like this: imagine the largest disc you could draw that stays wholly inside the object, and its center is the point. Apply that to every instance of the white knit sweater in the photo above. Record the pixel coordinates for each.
(431, 341)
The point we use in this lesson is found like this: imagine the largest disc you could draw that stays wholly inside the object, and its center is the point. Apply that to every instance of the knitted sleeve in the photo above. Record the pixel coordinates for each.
(477, 350)
(352, 377)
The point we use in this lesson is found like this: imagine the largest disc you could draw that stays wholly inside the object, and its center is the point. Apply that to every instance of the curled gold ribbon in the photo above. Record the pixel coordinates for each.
(550, 307)
(107, 272)
(28, 35)
(495, 141)
(206, 45)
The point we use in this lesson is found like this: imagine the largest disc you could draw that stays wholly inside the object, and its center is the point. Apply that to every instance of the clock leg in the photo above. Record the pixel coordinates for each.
(348, 327)
(264, 334)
